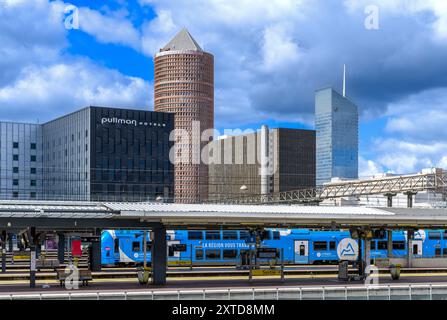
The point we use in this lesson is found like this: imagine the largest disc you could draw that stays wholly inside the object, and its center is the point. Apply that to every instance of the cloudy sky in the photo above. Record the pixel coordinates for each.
(270, 58)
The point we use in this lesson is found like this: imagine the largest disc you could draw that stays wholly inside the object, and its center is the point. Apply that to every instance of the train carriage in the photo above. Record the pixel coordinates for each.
(226, 247)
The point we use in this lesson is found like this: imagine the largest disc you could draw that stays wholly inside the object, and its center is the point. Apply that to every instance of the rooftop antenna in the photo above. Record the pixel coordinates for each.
(344, 81)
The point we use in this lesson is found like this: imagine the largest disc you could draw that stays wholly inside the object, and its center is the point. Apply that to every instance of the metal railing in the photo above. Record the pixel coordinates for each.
(389, 292)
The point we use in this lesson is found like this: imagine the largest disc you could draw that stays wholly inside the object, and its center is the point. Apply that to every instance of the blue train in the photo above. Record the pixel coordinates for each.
(299, 246)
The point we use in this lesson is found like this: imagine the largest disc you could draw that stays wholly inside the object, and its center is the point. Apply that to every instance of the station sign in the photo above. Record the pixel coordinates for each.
(266, 272)
(348, 250)
(178, 263)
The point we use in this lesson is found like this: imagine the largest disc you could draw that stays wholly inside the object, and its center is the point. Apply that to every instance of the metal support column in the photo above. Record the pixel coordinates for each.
(38, 249)
(410, 195)
(367, 243)
(95, 257)
(282, 264)
(390, 243)
(61, 248)
(389, 198)
(361, 268)
(145, 249)
(3, 241)
(410, 235)
(33, 244)
(11, 245)
(159, 256)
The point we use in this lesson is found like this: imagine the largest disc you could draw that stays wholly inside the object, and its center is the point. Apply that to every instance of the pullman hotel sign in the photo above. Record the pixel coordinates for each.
(129, 122)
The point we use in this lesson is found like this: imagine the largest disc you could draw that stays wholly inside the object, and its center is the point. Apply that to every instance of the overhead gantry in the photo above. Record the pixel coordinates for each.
(409, 185)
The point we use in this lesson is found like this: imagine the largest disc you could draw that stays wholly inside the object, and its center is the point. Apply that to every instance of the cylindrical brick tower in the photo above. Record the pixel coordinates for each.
(184, 85)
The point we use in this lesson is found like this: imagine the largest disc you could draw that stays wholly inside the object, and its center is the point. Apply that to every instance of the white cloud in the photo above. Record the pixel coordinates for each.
(408, 7)
(109, 28)
(38, 79)
(420, 117)
(279, 49)
(369, 168)
(400, 156)
(64, 87)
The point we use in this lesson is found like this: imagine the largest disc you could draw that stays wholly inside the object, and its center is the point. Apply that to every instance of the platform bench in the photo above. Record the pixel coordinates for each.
(84, 277)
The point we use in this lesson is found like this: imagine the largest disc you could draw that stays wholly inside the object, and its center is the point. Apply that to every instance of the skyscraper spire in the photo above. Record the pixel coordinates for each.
(183, 41)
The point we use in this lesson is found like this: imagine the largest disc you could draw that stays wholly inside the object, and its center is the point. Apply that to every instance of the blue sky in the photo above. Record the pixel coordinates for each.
(270, 57)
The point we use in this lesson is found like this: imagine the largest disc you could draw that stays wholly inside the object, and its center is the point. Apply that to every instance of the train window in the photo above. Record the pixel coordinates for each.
(212, 254)
(199, 254)
(230, 235)
(398, 245)
(195, 235)
(135, 246)
(244, 235)
(116, 246)
(444, 252)
(148, 246)
(382, 245)
(229, 254)
(266, 235)
(276, 235)
(372, 245)
(434, 235)
(332, 245)
(212, 235)
(438, 252)
(320, 246)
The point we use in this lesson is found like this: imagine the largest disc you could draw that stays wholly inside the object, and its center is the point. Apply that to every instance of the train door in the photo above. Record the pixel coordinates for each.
(171, 252)
(301, 251)
(417, 248)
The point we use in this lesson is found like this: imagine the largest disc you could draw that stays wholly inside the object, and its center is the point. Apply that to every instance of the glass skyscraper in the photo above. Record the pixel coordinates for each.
(336, 123)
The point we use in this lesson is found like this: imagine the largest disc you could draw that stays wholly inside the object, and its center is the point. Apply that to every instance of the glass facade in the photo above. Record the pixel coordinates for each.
(102, 154)
(130, 155)
(20, 161)
(336, 123)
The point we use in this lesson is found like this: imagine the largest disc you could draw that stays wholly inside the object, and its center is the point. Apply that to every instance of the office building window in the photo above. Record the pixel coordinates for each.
(15, 145)
(33, 146)
(15, 157)
(15, 170)
(33, 170)
(33, 158)
(32, 195)
(15, 182)
(33, 183)
(15, 194)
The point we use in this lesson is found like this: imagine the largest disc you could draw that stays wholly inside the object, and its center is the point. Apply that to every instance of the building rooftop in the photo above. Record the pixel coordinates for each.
(182, 41)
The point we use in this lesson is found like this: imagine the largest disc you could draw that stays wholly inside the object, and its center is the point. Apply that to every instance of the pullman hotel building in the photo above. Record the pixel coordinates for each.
(99, 154)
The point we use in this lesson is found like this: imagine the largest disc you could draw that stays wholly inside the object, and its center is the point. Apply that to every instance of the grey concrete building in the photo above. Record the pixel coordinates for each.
(236, 163)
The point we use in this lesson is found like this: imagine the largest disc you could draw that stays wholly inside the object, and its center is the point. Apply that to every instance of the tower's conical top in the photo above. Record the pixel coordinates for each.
(182, 41)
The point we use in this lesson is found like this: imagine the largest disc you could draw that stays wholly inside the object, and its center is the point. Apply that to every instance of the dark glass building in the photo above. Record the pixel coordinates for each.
(108, 154)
